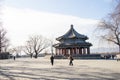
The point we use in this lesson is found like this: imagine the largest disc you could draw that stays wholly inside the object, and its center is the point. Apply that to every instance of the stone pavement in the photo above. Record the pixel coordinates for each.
(41, 69)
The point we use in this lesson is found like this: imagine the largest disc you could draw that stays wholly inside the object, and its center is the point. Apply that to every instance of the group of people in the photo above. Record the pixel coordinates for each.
(70, 58)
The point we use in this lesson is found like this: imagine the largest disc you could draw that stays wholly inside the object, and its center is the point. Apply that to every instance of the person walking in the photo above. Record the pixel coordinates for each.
(71, 60)
(52, 60)
(14, 57)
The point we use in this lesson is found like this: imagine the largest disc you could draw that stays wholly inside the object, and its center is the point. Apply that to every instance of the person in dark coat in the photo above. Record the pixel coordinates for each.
(14, 57)
(52, 60)
(71, 61)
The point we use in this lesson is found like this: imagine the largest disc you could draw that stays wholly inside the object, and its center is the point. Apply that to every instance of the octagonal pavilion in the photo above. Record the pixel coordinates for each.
(72, 43)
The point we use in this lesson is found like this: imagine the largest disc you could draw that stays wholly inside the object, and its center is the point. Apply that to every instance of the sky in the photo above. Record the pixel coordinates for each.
(95, 9)
(52, 18)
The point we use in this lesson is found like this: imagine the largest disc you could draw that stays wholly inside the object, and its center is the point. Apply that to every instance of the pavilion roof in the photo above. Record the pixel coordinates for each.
(63, 45)
(72, 33)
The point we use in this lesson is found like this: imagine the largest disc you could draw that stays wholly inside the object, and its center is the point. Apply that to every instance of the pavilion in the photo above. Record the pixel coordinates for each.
(72, 43)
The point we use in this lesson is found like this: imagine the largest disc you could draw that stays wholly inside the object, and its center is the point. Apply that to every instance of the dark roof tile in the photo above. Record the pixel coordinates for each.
(72, 33)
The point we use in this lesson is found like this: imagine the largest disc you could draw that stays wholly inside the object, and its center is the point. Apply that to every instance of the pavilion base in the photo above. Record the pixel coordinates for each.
(78, 56)
(88, 56)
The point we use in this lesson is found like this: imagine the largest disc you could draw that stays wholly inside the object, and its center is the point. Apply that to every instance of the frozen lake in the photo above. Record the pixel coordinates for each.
(41, 69)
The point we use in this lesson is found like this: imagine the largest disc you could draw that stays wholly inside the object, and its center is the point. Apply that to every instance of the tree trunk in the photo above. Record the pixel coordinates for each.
(0, 45)
(0, 49)
(119, 48)
(31, 55)
(36, 54)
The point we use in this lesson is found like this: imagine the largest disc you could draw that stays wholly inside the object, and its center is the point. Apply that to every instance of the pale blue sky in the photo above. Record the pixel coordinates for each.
(95, 9)
(52, 18)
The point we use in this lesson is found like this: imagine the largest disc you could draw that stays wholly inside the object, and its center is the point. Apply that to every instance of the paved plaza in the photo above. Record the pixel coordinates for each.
(41, 69)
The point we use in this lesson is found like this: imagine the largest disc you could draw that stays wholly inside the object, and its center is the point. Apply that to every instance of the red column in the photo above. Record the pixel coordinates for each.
(65, 51)
(80, 50)
(62, 51)
(84, 50)
(74, 50)
(56, 51)
(59, 51)
(71, 51)
(88, 50)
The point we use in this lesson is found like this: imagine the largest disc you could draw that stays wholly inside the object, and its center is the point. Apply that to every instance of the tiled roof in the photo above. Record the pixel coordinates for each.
(72, 33)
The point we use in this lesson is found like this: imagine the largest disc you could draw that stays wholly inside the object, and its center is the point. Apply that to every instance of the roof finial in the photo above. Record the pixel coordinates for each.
(71, 25)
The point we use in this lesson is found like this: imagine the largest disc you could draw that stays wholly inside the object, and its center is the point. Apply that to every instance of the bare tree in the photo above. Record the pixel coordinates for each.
(116, 12)
(16, 51)
(110, 27)
(28, 49)
(13, 51)
(38, 44)
(111, 31)
(4, 42)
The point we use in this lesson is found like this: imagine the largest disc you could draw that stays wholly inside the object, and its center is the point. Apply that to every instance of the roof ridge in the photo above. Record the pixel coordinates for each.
(72, 33)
